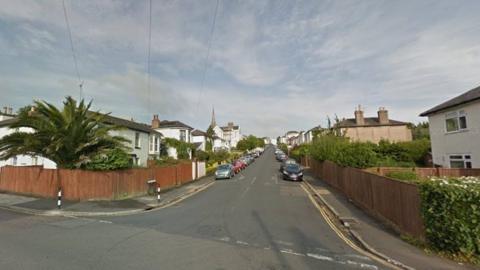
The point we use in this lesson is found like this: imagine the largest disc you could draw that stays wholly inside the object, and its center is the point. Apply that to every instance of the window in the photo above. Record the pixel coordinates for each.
(34, 161)
(183, 135)
(14, 161)
(455, 121)
(157, 144)
(137, 140)
(461, 161)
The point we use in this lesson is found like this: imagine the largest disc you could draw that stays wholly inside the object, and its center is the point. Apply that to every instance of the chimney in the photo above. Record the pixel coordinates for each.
(155, 121)
(5, 110)
(230, 124)
(10, 110)
(359, 119)
(32, 111)
(383, 116)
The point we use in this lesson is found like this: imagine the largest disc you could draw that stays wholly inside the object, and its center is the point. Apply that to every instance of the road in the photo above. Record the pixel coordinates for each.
(254, 221)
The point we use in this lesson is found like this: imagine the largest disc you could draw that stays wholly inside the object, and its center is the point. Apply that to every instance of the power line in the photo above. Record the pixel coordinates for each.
(208, 54)
(73, 50)
(148, 56)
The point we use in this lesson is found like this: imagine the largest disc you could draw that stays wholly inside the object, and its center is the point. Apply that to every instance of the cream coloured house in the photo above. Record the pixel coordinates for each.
(455, 131)
(374, 129)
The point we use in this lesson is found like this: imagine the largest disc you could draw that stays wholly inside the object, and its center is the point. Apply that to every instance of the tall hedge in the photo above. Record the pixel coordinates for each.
(451, 213)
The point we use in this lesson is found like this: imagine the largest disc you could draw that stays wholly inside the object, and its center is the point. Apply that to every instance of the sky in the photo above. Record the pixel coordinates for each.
(272, 66)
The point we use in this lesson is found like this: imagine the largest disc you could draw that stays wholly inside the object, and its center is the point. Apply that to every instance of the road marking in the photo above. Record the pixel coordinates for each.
(283, 243)
(245, 192)
(340, 234)
(320, 257)
(288, 251)
(253, 181)
(242, 177)
(225, 239)
(242, 243)
(276, 179)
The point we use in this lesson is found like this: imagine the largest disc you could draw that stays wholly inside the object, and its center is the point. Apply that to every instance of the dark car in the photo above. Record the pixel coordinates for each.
(286, 162)
(224, 171)
(293, 172)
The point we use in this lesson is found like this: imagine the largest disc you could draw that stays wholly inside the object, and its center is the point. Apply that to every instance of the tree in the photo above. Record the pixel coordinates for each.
(71, 137)
(210, 133)
(420, 130)
(249, 143)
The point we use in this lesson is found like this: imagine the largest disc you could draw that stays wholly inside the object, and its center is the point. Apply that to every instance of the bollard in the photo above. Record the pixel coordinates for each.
(59, 198)
(158, 194)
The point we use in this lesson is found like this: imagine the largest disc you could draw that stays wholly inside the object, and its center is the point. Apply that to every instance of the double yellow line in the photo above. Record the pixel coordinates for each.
(342, 236)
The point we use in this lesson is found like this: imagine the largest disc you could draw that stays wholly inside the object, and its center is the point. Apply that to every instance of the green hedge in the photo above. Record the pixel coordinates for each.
(451, 213)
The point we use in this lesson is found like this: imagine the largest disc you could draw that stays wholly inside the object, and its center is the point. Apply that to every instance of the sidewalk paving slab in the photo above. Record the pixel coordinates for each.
(48, 206)
(378, 235)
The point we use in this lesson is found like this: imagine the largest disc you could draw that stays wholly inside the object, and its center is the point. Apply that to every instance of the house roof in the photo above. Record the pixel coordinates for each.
(229, 128)
(198, 132)
(7, 122)
(469, 96)
(291, 132)
(314, 128)
(174, 124)
(369, 122)
(108, 120)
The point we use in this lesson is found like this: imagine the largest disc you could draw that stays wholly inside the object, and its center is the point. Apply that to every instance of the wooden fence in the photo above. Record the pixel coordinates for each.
(394, 202)
(424, 173)
(89, 185)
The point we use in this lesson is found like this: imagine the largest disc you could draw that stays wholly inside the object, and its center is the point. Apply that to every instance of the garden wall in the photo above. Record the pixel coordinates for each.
(423, 173)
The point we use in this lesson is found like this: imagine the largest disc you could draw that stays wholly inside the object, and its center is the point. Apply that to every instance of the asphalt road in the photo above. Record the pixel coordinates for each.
(254, 221)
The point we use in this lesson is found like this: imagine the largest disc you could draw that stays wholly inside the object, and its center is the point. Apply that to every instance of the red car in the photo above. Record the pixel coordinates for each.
(238, 166)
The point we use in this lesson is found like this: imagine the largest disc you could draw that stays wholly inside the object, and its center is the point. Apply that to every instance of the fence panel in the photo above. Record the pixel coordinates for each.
(395, 202)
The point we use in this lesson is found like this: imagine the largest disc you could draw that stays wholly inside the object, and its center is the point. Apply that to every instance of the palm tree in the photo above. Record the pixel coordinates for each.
(70, 137)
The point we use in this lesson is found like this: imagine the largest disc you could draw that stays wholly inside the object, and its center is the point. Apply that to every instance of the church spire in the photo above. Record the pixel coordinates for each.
(213, 123)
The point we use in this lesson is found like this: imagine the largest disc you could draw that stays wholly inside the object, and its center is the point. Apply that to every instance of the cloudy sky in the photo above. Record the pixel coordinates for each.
(273, 65)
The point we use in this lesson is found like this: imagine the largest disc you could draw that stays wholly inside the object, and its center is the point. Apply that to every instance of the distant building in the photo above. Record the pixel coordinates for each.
(199, 139)
(225, 137)
(455, 131)
(374, 129)
(173, 129)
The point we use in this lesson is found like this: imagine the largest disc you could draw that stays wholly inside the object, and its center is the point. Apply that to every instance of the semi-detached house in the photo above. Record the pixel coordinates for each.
(144, 142)
(173, 129)
(455, 131)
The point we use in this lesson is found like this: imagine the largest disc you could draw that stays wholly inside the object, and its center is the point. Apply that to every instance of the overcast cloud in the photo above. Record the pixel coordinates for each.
(274, 65)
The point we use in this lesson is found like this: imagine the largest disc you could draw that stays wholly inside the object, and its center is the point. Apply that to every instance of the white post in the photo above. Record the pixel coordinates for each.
(59, 198)
(158, 194)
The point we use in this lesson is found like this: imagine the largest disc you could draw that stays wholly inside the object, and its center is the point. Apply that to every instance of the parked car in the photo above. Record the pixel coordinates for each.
(224, 171)
(282, 157)
(285, 163)
(237, 166)
(293, 172)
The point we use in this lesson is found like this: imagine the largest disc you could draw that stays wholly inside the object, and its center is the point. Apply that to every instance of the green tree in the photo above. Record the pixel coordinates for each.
(249, 143)
(113, 159)
(71, 137)
(210, 134)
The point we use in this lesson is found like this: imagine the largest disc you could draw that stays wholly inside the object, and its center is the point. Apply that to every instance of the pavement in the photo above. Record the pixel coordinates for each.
(253, 221)
(375, 235)
(48, 206)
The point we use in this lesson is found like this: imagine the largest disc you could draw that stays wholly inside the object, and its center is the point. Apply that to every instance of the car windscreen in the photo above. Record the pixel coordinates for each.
(292, 168)
(223, 167)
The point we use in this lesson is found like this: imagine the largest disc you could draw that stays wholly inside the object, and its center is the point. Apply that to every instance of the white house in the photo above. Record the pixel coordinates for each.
(199, 139)
(455, 131)
(144, 141)
(139, 135)
(22, 160)
(175, 130)
(231, 134)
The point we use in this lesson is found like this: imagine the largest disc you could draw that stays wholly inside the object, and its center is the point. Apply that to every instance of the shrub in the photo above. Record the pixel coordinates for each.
(300, 151)
(357, 155)
(451, 213)
(202, 155)
(403, 175)
(114, 159)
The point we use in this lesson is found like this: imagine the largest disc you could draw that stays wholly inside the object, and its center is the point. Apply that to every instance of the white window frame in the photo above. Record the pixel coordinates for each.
(184, 139)
(465, 158)
(137, 140)
(456, 115)
(157, 144)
